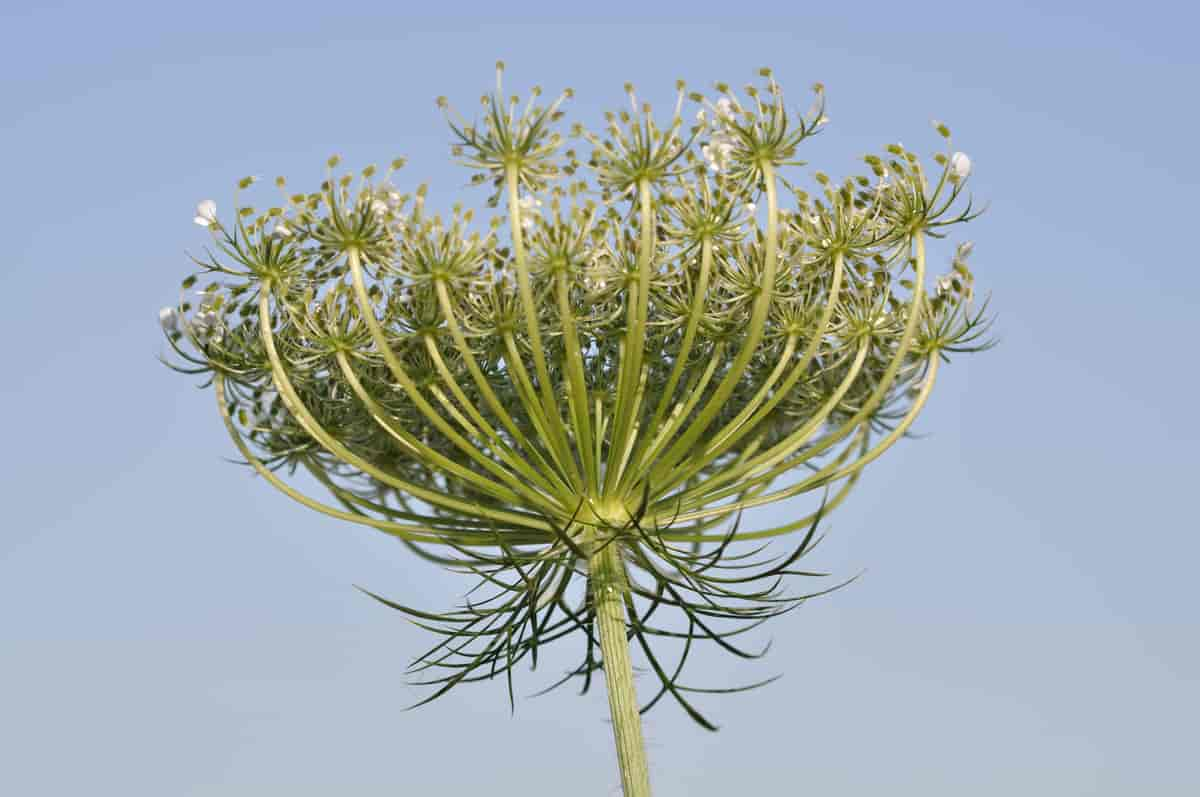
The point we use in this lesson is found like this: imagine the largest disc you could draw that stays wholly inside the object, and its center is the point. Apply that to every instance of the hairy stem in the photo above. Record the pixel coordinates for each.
(608, 595)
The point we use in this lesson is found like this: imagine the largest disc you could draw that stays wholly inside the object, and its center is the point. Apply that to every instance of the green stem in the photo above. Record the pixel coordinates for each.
(529, 307)
(608, 595)
(737, 369)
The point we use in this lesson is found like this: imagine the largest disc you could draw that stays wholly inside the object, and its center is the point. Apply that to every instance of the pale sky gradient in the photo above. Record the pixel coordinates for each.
(1027, 621)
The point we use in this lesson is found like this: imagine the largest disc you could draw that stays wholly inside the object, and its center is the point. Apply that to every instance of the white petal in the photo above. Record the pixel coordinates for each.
(960, 164)
(168, 317)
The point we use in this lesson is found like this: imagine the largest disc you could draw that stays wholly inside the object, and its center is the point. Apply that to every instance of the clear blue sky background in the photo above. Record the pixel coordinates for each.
(1027, 622)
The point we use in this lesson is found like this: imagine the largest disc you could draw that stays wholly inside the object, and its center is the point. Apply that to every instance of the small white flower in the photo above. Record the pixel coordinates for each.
(282, 230)
(206, 213)
(168, 317)
(725, 107)
(206, 326)
(964, 250)
(527, 209)
(750, 207)
(379, 207)
(945, 284)
(960, 165)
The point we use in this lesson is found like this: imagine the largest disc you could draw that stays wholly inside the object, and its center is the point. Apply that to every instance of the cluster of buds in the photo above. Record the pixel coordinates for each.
(719, 148)
(201, 319)
(959, 281)
(615, 367)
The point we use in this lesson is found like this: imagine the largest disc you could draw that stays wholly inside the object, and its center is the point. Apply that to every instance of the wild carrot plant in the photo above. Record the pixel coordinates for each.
(574, 400)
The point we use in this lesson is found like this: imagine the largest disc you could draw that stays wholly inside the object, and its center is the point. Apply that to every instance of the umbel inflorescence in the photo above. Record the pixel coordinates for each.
(575, 399)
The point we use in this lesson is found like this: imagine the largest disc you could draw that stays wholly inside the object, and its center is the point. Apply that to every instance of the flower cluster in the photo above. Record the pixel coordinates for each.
(630, 361)
(719, 148)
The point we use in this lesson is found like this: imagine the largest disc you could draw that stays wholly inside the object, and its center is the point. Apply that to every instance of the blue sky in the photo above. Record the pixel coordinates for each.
(1027, 619)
